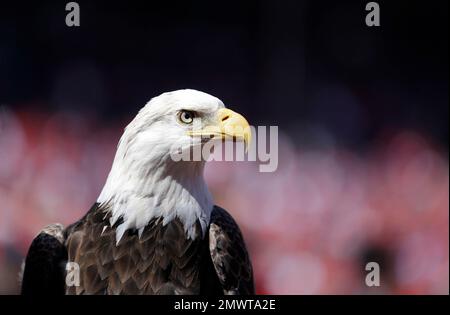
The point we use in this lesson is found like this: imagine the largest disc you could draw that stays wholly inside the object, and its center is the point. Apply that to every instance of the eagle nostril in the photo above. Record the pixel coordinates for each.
(225, 117)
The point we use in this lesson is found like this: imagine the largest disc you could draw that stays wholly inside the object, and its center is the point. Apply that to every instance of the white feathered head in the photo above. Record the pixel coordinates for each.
(146, 181)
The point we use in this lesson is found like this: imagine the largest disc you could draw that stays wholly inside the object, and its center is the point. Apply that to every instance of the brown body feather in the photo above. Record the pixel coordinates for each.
(160, 261)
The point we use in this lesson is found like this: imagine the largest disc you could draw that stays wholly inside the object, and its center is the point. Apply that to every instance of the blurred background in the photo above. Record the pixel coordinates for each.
(363, 170)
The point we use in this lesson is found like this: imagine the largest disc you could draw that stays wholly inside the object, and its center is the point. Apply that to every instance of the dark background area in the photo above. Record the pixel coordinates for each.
(285, 63)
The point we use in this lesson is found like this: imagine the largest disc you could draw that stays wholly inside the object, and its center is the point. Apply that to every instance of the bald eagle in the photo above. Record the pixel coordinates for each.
(154, 228)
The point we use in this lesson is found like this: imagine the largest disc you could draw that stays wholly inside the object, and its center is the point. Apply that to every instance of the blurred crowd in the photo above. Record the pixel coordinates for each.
(311, 226)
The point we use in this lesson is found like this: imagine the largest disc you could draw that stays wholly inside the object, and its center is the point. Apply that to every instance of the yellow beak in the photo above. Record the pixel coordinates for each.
(229, 126)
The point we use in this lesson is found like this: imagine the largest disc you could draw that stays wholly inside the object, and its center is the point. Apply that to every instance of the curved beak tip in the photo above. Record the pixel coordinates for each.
(229, 125)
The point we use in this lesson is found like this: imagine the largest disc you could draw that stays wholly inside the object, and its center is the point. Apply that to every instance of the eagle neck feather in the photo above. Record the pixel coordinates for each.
(140, 189)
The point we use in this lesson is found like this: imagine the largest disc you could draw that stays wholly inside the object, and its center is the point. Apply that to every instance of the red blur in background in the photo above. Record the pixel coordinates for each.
(311, 226)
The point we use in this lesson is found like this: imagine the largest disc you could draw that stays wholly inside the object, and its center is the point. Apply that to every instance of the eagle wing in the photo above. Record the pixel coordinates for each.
(229, 254)
(45, 263)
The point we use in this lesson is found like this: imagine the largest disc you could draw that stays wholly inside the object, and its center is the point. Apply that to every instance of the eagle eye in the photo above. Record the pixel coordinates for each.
(186, 117)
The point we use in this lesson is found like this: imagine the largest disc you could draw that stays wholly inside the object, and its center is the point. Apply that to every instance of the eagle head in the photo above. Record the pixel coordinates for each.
(146, 181)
